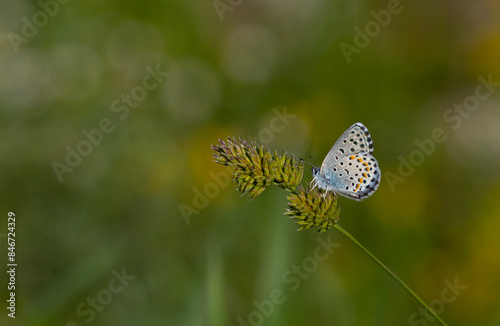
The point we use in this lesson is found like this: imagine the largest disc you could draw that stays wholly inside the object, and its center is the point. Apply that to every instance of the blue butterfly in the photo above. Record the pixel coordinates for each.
(350, 169)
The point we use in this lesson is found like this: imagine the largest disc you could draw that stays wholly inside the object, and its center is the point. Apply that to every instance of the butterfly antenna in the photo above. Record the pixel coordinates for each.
(307, 162)
(313, 161)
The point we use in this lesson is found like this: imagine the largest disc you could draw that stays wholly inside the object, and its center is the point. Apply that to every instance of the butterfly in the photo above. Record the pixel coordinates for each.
(350, 169)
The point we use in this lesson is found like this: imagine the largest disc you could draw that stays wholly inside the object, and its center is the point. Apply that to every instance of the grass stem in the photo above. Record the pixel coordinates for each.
(400, 281)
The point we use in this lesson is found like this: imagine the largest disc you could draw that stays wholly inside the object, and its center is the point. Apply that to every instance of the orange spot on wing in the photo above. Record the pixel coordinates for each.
(365, 175)
(352, 157)
(360, 159)
(365, 164)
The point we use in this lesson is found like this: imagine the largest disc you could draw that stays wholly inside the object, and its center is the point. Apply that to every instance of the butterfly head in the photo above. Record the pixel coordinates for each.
(315, 171)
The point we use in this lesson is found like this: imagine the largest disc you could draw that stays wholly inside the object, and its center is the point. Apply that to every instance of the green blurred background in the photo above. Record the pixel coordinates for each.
(229, 72)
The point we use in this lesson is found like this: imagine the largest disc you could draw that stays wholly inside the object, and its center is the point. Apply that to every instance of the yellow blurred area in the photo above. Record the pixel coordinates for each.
(199, 161)
(482, 254)
(484, 53)
(405, 207)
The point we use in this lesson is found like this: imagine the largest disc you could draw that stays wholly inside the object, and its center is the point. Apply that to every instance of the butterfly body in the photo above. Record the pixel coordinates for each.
(350, 169)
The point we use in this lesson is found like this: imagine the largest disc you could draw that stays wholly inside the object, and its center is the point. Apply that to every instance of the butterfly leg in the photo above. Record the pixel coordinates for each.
(313, 183)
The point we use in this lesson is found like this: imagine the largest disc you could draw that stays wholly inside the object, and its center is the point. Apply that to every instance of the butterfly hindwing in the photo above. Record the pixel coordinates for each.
(357, 175)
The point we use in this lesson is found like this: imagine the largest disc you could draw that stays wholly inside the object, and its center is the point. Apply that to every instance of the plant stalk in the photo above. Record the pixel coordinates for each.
(403, 284)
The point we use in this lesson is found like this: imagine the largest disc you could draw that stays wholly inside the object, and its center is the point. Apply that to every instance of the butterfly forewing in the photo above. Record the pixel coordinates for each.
(354, 140)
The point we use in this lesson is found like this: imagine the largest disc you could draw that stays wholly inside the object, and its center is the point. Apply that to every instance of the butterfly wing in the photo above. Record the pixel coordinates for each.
(350, 168)
(354, 140)
(357, 176)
